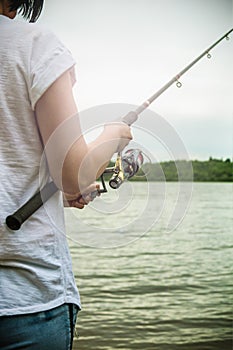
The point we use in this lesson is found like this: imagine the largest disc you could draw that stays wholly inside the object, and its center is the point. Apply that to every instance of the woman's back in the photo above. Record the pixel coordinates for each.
(34, 261)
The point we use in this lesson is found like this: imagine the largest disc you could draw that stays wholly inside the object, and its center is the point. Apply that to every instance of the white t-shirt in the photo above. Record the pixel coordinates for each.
(35, 264)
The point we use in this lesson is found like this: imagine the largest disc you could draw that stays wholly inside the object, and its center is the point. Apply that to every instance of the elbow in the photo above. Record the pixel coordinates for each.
(71, 173)
(75, 184)
(70, 183)
(74, 178)
(78, 169)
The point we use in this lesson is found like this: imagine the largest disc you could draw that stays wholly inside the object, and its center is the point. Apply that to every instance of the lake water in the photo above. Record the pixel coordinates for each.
(150, 288)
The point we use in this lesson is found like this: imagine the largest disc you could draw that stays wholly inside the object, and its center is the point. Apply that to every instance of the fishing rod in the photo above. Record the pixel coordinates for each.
(132, 116)
(125, 167)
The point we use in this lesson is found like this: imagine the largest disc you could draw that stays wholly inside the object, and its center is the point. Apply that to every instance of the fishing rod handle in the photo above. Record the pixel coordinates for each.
(15, 220)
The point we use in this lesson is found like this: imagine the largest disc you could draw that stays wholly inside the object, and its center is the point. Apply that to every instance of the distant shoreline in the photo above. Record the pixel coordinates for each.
(211, 170)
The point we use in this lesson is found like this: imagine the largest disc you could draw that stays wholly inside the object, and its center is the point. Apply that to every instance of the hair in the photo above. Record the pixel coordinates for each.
(29, 9)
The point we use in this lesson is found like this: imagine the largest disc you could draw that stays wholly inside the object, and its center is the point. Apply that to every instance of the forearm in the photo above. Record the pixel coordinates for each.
(96, 158)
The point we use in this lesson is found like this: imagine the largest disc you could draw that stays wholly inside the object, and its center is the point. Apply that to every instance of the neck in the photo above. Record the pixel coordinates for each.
(5, 11)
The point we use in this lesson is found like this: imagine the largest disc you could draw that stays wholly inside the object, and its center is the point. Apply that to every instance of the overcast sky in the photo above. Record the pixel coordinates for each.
(127, 49)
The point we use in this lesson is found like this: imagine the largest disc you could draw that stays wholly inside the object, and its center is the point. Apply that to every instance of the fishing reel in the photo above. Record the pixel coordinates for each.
(125, 167)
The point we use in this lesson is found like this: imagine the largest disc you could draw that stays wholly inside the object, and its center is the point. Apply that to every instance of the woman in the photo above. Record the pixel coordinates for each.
(38, 116)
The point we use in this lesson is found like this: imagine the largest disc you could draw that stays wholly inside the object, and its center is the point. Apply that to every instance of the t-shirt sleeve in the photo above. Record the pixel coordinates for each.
(49, 60)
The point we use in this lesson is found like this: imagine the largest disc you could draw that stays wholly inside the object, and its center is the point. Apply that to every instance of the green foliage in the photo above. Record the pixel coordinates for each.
(217, 170)
(211, 170)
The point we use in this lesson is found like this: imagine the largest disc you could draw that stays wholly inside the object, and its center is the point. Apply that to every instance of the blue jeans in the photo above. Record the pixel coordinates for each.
(47, 330)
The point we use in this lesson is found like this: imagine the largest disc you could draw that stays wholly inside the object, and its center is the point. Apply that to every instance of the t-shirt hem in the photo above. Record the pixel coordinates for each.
(40, 307)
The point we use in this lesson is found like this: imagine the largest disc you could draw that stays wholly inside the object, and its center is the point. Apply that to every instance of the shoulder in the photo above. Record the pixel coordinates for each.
(38, 33)
(38, 42)
(23, 38)
(31, 34)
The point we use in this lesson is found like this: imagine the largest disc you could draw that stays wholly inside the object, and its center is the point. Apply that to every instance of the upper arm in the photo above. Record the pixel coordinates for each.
(55, 106)
(59, 126)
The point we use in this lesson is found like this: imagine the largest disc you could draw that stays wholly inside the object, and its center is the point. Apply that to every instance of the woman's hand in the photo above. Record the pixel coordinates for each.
(79, 201)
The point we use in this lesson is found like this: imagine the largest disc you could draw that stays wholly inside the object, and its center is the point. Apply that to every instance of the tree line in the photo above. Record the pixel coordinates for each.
(217, 170)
